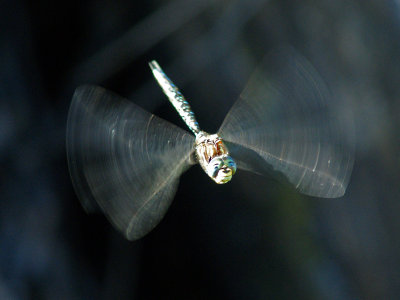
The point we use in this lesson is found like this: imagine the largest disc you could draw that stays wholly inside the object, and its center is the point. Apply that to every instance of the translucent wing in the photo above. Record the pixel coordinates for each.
(283, 123)
(125, 159)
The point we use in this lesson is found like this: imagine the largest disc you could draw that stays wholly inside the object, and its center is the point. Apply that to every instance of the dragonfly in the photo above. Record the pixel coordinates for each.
(128, 162)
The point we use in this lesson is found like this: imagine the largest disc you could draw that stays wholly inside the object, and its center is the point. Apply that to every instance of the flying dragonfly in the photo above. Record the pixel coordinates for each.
(127, 161)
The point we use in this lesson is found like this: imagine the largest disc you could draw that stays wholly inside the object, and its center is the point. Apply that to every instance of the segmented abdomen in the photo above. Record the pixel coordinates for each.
(175, 97)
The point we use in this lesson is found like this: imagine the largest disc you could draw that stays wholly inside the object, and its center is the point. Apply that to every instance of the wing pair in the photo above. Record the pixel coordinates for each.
(128, 161)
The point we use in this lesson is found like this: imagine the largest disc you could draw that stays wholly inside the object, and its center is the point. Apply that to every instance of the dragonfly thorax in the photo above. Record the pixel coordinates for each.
(214, 158)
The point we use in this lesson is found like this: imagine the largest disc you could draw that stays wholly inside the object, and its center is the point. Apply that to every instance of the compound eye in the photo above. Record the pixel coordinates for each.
(231, 164)
(215, 166)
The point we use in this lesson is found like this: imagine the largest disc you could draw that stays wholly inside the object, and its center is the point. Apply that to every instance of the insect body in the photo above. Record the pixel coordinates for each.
(211, 152)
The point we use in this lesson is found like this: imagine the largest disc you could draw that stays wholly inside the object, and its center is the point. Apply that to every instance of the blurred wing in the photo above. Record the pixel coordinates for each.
(125, 159)
(283, 123)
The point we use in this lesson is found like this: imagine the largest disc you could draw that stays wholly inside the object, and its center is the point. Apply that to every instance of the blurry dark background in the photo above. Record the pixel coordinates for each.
(250, 239)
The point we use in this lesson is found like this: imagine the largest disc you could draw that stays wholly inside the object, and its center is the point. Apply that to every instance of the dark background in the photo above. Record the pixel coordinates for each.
(250, 239)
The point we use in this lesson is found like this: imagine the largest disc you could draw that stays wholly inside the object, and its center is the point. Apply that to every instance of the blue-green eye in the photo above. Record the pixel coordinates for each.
(230, 163)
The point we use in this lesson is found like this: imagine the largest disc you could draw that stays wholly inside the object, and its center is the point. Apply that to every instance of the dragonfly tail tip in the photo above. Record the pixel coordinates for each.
(154, 65)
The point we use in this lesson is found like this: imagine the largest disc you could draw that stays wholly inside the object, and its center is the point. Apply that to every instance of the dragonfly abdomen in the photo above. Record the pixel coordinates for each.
(175, 97)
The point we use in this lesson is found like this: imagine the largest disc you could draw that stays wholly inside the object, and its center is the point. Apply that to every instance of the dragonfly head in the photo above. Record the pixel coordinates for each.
(221, 169)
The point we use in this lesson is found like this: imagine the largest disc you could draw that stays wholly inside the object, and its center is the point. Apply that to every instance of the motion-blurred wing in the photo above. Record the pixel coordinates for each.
(125, 159)
(284, 123)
